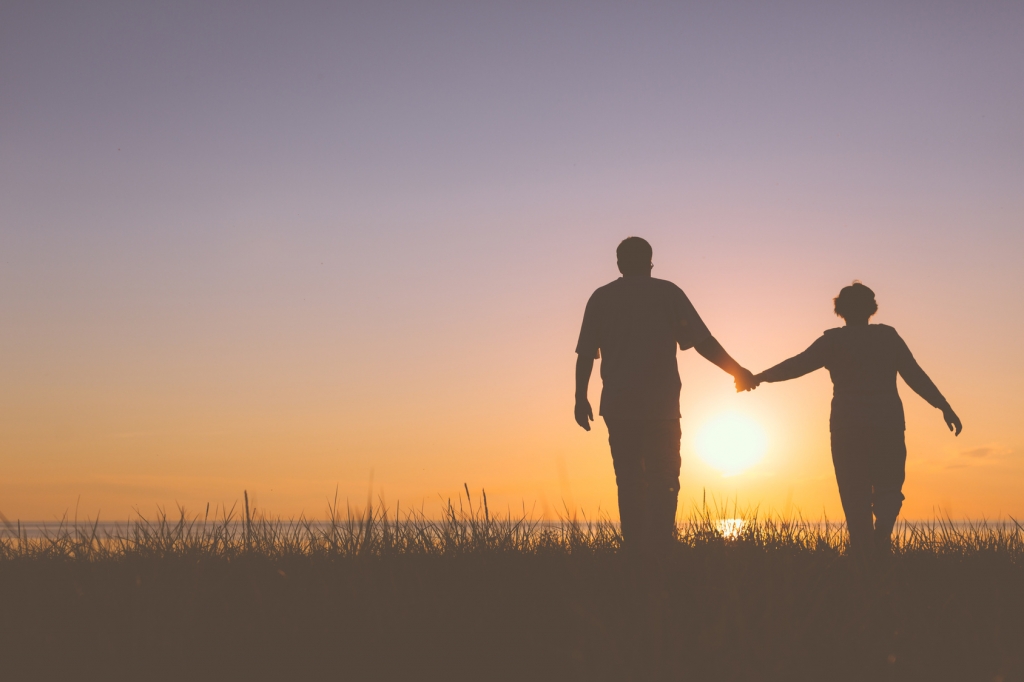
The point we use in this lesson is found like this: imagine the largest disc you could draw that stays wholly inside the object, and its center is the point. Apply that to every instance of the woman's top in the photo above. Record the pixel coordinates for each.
(863, 361)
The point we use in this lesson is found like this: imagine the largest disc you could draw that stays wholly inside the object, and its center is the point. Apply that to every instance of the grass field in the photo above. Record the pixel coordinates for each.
(472, 596)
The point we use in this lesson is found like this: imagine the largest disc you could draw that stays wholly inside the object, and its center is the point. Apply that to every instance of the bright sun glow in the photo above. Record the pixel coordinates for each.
(731, 443)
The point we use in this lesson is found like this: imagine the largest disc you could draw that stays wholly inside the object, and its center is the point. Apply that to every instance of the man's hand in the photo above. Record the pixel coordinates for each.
(584, 415)
(952, 421)
(712, 351)
(745, 380)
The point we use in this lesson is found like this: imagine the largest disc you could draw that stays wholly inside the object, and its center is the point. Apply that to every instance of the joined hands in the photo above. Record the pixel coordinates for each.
(745, 380)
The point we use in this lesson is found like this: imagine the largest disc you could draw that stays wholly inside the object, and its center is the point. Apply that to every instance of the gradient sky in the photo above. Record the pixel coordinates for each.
(289, 247)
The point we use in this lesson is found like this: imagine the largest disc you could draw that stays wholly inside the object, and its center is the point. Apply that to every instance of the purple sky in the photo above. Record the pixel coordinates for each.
(223, 221)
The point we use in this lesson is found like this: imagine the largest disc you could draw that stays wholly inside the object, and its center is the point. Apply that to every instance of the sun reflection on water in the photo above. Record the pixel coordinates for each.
(730, 528)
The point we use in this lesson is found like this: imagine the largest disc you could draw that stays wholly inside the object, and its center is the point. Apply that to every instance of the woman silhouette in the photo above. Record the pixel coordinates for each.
(868, 447)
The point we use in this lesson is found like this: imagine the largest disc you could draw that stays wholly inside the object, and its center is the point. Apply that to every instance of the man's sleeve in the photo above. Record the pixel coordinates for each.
(690, 329)
(589, 344)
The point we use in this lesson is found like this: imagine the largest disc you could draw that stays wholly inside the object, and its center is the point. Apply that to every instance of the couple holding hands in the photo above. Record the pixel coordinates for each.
(636, 323)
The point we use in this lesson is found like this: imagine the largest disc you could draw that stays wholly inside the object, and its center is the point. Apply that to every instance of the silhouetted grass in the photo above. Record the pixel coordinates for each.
(389, 595)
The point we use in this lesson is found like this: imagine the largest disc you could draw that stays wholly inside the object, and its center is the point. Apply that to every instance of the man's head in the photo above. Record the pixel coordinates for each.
(634, 256)
(855, 303)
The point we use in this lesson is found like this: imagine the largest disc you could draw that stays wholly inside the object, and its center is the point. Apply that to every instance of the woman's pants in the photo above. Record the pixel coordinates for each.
(870, 470)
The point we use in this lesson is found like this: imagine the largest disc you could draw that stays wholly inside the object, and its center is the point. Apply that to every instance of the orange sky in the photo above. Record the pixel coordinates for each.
(194, 408)
(272, 258)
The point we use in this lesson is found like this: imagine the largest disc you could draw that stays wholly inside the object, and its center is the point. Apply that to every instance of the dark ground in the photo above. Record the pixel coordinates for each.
(723, 611)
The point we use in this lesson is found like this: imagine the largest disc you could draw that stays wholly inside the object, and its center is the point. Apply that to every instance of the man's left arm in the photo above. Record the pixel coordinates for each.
(584, 413)
(588, 349)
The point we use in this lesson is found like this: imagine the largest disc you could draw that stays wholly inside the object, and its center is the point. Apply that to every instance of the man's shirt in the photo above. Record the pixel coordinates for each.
(634, 325)
(863, 361)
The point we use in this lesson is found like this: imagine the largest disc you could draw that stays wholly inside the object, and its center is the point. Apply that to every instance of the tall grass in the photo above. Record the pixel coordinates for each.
(468, 526)
(380, 593)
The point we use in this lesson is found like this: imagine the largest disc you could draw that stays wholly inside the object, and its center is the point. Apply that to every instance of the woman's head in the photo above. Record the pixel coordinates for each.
(855, 303)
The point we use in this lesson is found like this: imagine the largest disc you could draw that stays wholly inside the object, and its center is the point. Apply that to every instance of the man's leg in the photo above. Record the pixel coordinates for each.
(625, 436)
(888, 472)
(661, 469)
(659, 439)
(848, 456)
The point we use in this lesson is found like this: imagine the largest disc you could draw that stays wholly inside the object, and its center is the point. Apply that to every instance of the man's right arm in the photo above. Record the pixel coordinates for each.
(584, 413)
(693, 333)
(712, 351)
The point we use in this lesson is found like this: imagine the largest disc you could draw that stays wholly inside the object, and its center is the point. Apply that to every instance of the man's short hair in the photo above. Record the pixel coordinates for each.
(634, 253)
(855, 302)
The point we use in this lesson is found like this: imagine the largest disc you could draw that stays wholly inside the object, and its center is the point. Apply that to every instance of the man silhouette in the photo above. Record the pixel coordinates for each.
(634, 325)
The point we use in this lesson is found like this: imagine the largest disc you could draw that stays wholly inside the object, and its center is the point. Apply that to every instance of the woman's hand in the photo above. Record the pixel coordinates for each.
(952, 421)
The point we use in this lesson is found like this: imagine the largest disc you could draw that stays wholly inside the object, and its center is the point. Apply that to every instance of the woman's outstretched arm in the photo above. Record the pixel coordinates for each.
(922, 384)
(811, 359)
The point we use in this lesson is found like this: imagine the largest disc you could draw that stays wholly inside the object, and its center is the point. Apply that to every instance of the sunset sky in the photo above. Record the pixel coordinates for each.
(294, 247)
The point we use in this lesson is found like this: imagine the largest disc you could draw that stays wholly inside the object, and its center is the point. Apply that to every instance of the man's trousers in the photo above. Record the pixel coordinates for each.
(645, 453)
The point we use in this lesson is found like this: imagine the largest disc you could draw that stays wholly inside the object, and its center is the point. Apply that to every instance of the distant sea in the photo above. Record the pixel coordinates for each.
(729, 527)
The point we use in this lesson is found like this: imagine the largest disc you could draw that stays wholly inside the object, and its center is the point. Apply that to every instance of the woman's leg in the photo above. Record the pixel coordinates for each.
(888, 471)
(849, 455)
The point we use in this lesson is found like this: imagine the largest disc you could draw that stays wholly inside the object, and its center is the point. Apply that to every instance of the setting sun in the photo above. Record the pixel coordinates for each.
(731, 443)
